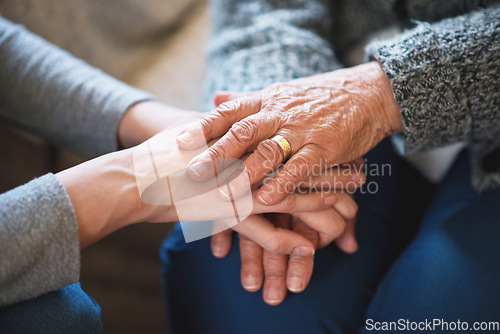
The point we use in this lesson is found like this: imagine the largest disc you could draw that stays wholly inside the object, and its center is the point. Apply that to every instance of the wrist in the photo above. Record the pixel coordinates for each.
(390, 108)
(145, 119)
(132, 129)
(104, 195)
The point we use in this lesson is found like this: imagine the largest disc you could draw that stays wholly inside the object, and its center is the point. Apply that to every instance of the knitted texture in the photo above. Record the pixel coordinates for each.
(446, 80)
(444, 70)
(39, 249)
(257, 43)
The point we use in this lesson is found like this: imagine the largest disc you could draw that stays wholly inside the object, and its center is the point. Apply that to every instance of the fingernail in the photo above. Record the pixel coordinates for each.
(250, 282)
(185, 138)
(227, 191)
(199, 169)
(304, 251)
(273, 297)
(329, 200)
(295, 284)
(264, 199)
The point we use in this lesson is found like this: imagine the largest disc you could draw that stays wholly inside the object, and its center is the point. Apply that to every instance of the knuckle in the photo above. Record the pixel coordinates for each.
(206, 123)
(244, 131)
(213, 117)
(224, 113)
(309, 233)
(288, 203)
(249, 261)
(283, 183)
(297, 166)
(229, 106)
(350, 208)
(293, 171)
(337, 228)
(299, 265)
(276, 244)
(274, 89)
(217, 152)
(274, 274)
(267, 151)
(251, 173)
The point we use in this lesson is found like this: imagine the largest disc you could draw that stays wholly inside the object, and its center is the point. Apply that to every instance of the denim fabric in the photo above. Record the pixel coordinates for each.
(204, 295)
(67, 310)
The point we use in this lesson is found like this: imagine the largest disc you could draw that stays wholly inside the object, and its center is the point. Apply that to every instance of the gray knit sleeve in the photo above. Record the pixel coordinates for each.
(257, 43)
(446, 80)
(48, 91)
(39, 248)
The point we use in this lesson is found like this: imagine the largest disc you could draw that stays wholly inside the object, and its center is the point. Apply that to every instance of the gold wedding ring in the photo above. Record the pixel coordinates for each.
(284, 145)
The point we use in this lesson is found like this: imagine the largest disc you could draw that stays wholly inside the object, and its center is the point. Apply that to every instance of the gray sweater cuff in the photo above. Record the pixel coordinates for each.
(427, 87)
(38, 240)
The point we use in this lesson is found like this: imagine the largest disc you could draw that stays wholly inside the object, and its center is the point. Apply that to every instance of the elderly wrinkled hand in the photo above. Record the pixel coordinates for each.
(326, 119)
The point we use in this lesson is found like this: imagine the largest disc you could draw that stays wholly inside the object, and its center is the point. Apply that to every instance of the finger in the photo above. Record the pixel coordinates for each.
(251, 273)
(225, 96)
(294, 173)
(298, 202)
(274, 290)
(347, 241)
(240, 138)
(300, 268)
(345, 205)
(329, 224)
(359, 163)
(221, 243)
(272, 238)
(261, 163)
(218, 122)
(340, 177)
(211, 207)
(275, 267)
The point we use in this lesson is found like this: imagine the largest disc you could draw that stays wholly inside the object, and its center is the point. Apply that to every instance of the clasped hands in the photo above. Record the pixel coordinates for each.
(277, 249)
(330, 120)
(327, 121)
(277, 242)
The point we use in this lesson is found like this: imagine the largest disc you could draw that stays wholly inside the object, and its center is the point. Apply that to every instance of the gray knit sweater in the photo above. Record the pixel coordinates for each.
(444, 69)
(47, 91)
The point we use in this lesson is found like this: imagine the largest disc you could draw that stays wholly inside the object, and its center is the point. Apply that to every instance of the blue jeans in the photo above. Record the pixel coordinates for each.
(424, 253)
(67, 310)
